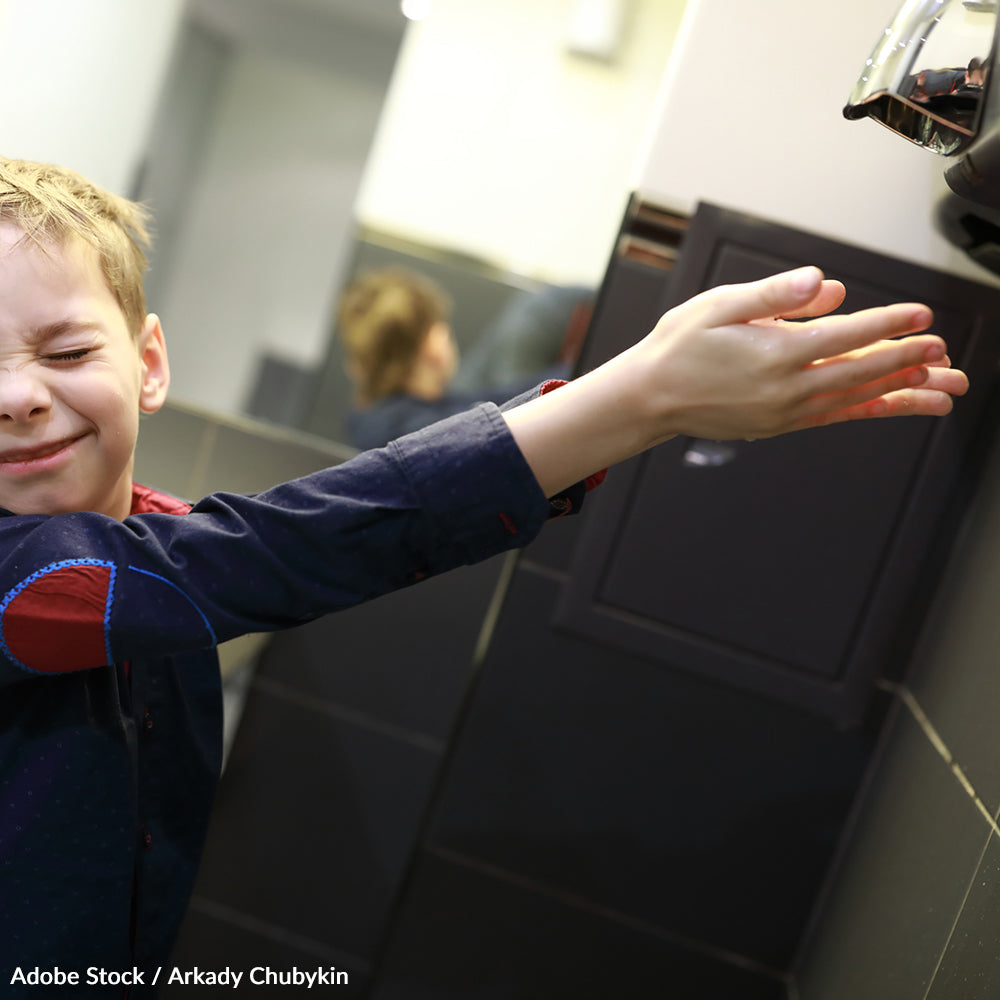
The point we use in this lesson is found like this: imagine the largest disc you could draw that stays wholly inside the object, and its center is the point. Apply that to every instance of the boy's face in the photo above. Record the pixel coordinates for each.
(72, 381)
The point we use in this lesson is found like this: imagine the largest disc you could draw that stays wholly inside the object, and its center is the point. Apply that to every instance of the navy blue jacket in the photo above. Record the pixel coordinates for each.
(110, 708)
(392, 417)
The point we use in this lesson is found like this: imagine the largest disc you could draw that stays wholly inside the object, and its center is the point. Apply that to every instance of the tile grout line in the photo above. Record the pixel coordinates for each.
(321, 950)
(910, 701)
(353, 717)
(939, 745)
(577, 901)
(951, 932)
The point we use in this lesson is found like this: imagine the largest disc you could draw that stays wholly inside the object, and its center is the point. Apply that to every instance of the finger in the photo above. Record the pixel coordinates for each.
(831, 295)
(779, 295)
(895, 393)
(950, 380)
(845, 399)
(912, 402)
(868, 364)
(901, 403)
(833, 336)
(945, 362)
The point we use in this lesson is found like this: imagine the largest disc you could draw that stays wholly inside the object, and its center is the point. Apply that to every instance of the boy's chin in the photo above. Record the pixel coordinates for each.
(50, 505)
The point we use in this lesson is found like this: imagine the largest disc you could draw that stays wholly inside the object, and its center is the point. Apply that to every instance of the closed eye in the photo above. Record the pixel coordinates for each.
(68, 355)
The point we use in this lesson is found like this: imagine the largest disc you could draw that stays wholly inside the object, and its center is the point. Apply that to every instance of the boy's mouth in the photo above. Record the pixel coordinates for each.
(34, 459)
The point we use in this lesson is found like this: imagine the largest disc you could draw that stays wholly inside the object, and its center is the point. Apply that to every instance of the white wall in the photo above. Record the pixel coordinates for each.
(750, 117)
(498, 142)
(266, 227)
(80, 80)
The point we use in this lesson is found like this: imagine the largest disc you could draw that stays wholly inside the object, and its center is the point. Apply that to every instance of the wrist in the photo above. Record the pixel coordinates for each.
(587, 425)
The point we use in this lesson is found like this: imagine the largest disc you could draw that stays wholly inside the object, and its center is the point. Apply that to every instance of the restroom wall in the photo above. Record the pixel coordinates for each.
(274, 141)
(61, 102)
(336, 731)
(910, 909)
(501, 140)
(749, 116)
(653, 762)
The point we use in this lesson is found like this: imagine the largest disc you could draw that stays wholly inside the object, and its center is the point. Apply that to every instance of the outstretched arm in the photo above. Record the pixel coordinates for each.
(729, 364)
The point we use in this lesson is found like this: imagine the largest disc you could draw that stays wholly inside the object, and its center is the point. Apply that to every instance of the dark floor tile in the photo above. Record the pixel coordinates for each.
(904, 878)
(405, 659)
(970, 967)
(314, 823)
(954, 675)
(216, 941)
(467, 934)
(686, 804)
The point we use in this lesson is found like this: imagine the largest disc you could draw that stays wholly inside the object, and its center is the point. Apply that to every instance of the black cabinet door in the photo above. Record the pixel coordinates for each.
(797, 567)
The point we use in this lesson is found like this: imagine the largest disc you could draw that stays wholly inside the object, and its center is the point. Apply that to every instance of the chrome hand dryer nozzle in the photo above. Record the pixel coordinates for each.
(928, 76)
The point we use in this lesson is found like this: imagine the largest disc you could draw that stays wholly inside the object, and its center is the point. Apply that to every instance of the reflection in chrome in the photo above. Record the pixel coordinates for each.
(927, 76)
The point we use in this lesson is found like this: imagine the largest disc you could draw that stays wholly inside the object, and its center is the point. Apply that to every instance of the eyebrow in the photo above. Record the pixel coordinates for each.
(60, 328)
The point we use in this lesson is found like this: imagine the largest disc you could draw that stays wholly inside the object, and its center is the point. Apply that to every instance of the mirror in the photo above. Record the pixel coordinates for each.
(300, 141)
(926, 78)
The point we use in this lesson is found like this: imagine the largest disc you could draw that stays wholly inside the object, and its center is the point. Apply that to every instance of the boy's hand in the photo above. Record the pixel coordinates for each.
(731, 363)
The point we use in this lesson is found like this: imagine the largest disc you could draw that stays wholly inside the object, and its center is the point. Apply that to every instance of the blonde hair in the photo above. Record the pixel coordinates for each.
(383, 318)
(49, 204)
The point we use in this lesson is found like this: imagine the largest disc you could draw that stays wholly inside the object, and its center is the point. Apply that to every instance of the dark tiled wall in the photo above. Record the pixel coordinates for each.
(474, 932)
(605, 827)
(614, 826)
(914, 910)
(190, 452)
(334, 762)
(340, 737)
(610, 828)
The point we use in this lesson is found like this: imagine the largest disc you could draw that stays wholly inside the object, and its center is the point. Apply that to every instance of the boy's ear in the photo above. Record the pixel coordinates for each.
(436, 349)
(353, 370)
(155, 368)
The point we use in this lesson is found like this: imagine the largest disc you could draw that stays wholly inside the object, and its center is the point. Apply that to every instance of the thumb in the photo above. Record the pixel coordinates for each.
(775, 296)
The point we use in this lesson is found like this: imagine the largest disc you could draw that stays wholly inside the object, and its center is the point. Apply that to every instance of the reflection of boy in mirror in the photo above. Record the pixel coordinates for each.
(403, 359)
(975, 74)
(939, 83)
(113, 596)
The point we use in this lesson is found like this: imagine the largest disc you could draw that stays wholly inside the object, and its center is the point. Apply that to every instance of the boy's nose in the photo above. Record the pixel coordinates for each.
(22, 396)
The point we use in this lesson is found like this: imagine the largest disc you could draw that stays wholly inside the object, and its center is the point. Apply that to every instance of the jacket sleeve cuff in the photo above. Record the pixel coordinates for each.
(570, 500)
(469, 475)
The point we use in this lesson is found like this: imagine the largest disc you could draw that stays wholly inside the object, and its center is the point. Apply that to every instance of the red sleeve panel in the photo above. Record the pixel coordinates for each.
(57, 618)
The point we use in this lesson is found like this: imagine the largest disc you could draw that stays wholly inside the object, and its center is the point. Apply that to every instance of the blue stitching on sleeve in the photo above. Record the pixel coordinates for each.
(44, 571)
(169, 583)
(107, 613)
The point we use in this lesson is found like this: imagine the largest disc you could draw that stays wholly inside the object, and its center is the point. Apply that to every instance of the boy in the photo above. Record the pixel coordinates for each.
(112, 597)
(403, 360)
